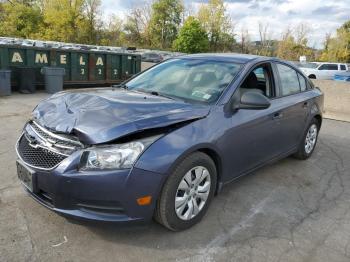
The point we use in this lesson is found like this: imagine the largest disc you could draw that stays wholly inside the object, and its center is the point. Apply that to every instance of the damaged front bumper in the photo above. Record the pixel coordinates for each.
(109, 196)
(48, 165)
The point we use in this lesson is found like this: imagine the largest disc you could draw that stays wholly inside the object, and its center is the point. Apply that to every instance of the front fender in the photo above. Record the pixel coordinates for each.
(167, 152)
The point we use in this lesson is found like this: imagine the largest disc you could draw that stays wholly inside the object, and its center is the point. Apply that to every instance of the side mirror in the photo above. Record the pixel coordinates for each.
(254, 100)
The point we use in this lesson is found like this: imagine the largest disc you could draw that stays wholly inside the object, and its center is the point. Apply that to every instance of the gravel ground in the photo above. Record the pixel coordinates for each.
(288, 211)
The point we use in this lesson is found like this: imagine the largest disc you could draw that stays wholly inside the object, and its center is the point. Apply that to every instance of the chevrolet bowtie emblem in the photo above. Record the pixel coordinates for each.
(36, 142)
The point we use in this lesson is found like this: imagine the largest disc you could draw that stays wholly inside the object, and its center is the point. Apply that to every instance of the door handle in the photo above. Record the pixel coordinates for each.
(277, 115)
(305, 104)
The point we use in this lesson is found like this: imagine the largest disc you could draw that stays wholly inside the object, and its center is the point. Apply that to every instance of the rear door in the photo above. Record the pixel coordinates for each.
(327, 71)
(293, 106)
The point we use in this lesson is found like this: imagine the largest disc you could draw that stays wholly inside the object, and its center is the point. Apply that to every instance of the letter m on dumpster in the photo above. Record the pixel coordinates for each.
(41, 58)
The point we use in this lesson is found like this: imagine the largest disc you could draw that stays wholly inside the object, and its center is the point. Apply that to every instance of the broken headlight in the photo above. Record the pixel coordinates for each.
(118, 156)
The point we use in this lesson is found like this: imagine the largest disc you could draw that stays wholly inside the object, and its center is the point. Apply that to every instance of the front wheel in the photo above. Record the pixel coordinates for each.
(187, 193)
(308, 144)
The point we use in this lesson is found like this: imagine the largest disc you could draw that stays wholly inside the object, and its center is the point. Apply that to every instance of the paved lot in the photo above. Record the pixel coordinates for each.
(289, 211)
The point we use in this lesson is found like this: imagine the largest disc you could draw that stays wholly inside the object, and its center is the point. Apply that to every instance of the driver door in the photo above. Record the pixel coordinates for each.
(253, 138)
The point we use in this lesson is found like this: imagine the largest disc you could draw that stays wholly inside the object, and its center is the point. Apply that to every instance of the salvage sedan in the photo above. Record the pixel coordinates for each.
(162, 144)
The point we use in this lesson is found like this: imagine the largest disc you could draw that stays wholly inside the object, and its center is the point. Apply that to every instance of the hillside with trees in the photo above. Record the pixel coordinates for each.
(162, 24)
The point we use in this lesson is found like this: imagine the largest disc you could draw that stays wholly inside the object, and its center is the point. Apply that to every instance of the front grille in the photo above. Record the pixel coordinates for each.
(38, 156)
(64, 143)
(42, 149)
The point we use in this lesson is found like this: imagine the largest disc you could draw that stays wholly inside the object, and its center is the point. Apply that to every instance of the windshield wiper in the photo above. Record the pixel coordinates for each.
(155, 93)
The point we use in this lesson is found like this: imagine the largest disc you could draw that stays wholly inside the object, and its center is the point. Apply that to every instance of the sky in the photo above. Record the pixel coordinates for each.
(320, 16)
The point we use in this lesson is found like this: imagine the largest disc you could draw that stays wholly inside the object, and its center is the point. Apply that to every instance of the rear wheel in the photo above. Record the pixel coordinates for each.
(187, 193)
(309, 141)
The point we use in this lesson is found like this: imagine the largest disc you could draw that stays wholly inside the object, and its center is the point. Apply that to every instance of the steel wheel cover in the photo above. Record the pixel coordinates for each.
(192, 193)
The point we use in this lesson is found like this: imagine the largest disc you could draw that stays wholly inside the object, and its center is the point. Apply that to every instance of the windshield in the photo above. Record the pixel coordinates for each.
(191, 80)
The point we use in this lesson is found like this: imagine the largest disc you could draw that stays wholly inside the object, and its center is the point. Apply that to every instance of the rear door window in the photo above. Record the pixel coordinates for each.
(288, 79)
(343, 67)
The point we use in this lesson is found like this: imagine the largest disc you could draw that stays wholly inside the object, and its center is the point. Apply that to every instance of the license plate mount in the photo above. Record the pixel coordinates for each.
(25, 175)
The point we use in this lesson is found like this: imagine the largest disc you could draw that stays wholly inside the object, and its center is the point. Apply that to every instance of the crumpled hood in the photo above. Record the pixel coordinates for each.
(105, 114)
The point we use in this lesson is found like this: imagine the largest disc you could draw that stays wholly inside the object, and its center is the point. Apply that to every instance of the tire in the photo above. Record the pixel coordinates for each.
(303, 151)
(173, 218)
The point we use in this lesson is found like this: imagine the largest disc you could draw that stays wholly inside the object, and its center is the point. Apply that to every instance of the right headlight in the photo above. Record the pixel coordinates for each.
(118, 156)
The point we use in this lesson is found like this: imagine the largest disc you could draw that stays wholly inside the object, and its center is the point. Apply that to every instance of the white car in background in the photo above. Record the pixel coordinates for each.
(323, 70)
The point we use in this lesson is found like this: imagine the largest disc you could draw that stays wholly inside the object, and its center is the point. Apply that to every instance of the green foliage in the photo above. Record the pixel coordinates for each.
(112, 34)
(337, 49)
(136, 28)
(61, 20)
(20, 20)
(92, 23)
(218, 25)
(64, 21)
(165, 22)
(192, 37)
(294, 44)
(158, 25)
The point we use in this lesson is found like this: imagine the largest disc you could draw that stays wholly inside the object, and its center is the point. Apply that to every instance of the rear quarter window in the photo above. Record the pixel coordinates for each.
(302, 82)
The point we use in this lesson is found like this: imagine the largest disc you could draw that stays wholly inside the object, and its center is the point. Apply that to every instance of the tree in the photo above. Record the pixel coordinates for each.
(294, 44)
(137, 26)
(265, 47)
(64, 20)
(93, 23)
(192, 37)
(20, 19)
(337, 49)
(165, 22)
(217, 24)
(245, 45)
(112, 34)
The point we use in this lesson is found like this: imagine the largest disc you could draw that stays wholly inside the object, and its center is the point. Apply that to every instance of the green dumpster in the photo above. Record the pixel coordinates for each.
(81, 67)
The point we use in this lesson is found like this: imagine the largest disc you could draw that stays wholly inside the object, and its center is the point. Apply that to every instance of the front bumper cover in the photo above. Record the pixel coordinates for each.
(109, 196)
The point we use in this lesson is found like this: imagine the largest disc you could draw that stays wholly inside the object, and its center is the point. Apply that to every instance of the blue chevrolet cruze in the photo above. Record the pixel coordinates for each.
(162, 144)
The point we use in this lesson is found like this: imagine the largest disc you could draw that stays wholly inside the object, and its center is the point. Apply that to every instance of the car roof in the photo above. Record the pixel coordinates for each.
(331, 63)
(229, 57)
